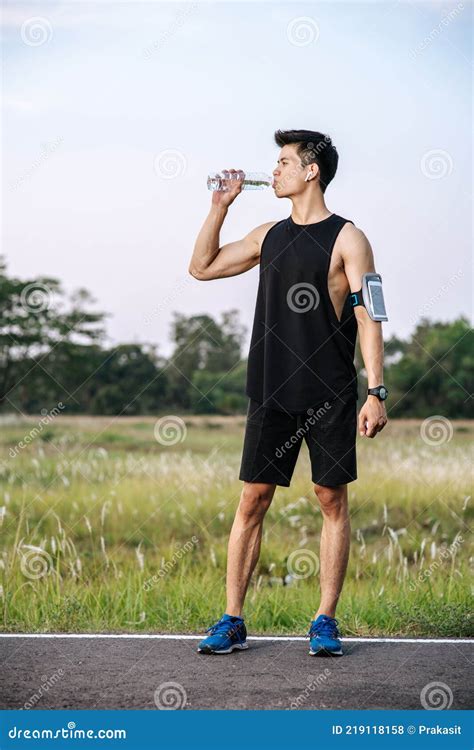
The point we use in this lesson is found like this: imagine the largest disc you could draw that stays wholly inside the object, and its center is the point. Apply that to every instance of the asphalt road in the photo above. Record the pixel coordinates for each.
(134, 673)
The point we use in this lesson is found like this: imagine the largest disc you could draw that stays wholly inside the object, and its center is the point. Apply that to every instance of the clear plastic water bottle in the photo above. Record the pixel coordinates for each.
(252, 180)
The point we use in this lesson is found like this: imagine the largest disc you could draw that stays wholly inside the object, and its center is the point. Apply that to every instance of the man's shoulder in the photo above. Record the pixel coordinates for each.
(259, 233)
(352, 239)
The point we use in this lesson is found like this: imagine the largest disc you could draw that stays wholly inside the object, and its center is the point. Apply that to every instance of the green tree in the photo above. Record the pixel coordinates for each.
(433, 373)
(220, 392)
(130, 381)
(202, 345)
(33, 321)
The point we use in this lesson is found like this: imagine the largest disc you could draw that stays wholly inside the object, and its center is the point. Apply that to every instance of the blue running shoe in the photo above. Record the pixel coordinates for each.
(226, 635)
(324, 637)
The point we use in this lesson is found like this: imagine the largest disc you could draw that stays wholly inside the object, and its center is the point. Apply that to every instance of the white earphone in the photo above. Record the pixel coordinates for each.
(307, 177)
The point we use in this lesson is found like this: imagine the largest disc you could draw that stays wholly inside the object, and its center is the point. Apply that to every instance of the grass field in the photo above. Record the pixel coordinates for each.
(106, 528)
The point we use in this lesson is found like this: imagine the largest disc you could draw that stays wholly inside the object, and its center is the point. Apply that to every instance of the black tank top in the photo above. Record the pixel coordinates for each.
(301, 354)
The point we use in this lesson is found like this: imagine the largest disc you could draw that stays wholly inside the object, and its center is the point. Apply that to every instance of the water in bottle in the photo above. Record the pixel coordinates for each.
(252, 180)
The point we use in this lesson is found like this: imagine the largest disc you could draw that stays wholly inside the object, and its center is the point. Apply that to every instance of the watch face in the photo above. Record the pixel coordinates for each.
(383, 393)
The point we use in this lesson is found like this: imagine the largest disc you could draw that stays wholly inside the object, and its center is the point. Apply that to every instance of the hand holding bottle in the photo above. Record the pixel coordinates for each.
(226, 186)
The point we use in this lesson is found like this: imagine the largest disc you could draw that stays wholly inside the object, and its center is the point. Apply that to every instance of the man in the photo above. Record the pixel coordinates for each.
(301, 379)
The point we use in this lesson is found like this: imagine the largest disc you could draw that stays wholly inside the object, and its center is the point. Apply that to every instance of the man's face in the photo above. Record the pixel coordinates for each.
(289, 174)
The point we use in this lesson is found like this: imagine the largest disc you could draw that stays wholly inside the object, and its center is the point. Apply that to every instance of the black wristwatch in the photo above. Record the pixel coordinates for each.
(380, 391)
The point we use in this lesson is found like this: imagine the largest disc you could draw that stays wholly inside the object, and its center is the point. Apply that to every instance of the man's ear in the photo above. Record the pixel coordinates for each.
(312, 172)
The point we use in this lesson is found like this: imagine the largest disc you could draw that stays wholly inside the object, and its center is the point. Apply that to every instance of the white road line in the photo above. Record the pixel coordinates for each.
(178, 637)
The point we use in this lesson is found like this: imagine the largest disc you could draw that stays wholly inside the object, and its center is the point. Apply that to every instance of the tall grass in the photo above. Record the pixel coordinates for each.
(105, 529)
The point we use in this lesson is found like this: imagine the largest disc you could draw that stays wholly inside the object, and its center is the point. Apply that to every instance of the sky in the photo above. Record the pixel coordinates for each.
(115, 112)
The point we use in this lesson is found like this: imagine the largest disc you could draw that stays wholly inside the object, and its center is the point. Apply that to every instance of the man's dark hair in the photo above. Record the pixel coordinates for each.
(313, 148)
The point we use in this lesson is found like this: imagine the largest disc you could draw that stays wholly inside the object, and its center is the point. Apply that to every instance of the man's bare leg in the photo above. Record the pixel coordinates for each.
(334, 547)
(244, 542)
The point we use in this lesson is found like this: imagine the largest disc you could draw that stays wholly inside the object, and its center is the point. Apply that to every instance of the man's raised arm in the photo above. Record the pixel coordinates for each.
(209, 261)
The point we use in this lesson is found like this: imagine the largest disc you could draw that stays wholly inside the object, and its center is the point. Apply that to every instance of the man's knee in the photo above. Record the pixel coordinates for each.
(333, 500)
(255, 500)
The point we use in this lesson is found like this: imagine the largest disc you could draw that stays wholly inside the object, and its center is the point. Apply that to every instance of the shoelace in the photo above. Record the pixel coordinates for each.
(223, 627)
(327, 627)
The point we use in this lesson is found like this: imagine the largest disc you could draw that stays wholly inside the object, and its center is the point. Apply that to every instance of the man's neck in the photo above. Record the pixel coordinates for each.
(308, 209)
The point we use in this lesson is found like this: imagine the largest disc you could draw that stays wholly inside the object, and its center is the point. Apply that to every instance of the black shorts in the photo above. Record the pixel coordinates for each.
(273, 439)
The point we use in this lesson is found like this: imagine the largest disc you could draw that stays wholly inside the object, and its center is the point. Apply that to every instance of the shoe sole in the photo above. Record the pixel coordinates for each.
(238, 646)
(324, 652)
